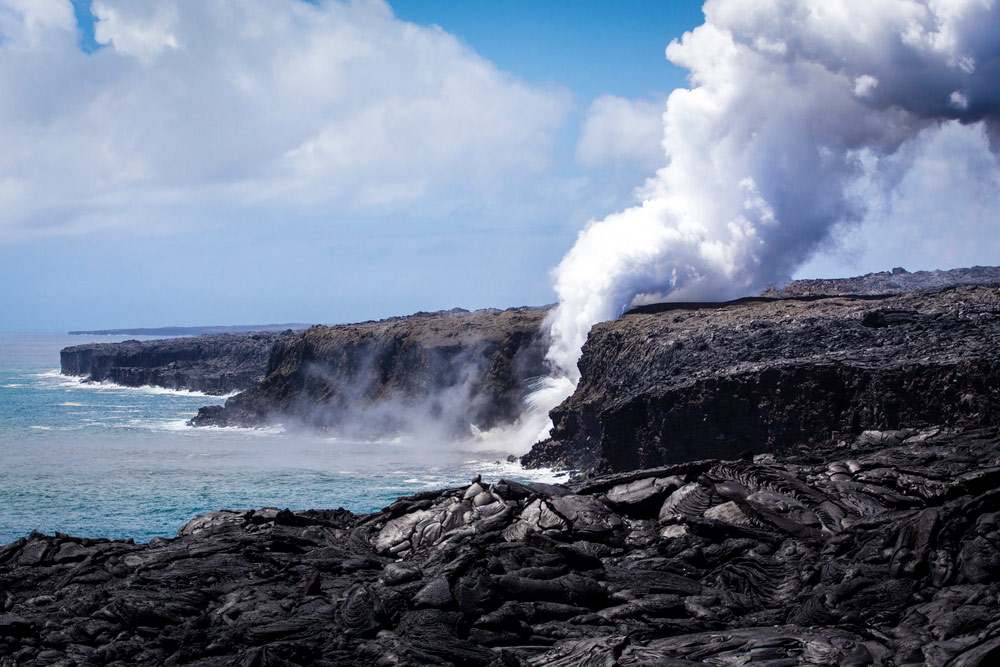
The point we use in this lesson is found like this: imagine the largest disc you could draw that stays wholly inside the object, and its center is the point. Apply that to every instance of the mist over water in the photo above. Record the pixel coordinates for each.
(103, 460)
(801, 115)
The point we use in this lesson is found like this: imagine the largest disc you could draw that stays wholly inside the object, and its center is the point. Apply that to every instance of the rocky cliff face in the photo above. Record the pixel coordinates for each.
(213, 364)
(678, 382)
(444, 370)
(884, 550)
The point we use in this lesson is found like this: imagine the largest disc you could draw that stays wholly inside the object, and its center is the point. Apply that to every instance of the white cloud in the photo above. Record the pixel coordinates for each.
(864, 85)
(207, 108)
(621, 131)
(133, 32)
(24, 22)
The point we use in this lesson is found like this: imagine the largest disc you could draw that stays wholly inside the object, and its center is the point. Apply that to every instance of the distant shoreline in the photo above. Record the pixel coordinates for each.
(190, 331)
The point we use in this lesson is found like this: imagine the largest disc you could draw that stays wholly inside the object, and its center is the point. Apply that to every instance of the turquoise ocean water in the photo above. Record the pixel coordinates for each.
(100, 460)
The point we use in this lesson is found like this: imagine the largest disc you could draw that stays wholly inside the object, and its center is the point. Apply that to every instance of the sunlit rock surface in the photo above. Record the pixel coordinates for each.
(882, 550)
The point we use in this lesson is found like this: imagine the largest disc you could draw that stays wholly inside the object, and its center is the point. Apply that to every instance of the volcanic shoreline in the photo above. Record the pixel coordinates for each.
(796, 479)
(884, 550)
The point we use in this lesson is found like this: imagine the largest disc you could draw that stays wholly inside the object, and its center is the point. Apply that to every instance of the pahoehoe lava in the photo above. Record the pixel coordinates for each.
(882, 550)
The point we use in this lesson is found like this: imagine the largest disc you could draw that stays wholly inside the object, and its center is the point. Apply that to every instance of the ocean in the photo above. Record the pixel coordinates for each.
(102, 460)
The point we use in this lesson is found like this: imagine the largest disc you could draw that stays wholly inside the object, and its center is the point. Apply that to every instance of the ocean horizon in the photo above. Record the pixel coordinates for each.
(104, 460)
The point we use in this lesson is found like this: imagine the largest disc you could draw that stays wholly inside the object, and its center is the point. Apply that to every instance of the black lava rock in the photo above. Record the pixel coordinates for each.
(882, 550)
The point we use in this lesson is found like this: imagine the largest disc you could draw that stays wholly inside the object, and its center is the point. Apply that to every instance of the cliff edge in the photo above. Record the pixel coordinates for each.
(675, 382)
(213, 363)
(445, 370)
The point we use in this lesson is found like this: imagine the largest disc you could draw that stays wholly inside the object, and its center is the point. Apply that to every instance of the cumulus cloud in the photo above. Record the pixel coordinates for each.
(131, 30)
(25, 22)
(208, 108)
(801, 114)
(621, 131)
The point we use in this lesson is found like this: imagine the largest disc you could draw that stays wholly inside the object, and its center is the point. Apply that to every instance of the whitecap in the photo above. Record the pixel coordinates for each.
(53, 379)
(153, 390)
(272, 429)
(77, 381)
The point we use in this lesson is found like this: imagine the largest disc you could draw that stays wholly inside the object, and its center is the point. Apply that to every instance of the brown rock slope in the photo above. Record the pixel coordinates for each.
(677, 382)
(450, 369)
(882, 551)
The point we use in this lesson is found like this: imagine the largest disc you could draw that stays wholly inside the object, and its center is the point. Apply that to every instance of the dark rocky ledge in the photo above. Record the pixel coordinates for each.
(213, 363)
(672, 382)
(448, 369)
(882, 550)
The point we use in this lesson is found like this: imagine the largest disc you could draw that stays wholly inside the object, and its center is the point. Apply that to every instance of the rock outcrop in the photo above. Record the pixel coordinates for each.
(446, 370)
(676, 382)
(896, 281)
(214, 363)
(883, 550)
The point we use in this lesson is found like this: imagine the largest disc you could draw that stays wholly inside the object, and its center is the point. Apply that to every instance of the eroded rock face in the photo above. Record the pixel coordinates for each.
(677, 382)
(213, 363)
(452, 368)
(884, 550)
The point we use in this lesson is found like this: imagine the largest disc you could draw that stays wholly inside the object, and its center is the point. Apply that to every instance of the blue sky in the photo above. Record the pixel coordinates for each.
(258, 161)
(166, 250)
(593, 48)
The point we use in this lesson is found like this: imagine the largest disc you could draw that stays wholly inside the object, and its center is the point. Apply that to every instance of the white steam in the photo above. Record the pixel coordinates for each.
(796, 114)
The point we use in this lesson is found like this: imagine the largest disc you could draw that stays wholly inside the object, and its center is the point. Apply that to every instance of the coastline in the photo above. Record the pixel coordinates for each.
(119, 461)
(152, 389)
(863, 554)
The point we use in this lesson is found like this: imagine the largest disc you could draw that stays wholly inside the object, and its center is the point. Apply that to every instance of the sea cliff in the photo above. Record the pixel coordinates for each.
(447, 370)
(675, 382)
(212, 363)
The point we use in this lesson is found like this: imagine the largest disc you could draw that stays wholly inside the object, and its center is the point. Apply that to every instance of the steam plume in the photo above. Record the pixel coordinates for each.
(797, 111)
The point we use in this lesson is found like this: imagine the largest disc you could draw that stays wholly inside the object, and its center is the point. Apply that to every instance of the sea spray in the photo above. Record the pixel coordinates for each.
(100, 459)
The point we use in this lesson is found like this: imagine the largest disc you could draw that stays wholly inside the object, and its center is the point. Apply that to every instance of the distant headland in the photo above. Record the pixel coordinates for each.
(190, 331)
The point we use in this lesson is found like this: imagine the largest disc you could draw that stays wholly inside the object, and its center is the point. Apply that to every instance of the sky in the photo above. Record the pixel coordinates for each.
(262, 161)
